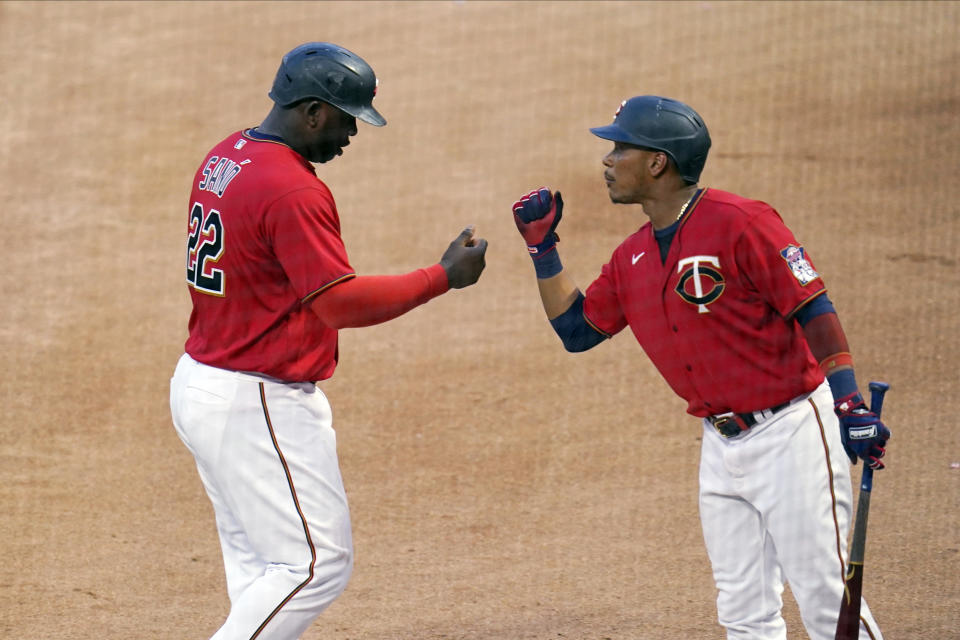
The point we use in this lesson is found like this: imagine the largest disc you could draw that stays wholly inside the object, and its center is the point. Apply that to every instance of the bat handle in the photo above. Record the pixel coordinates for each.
(877, 389)
(866, 479)
(848, 622)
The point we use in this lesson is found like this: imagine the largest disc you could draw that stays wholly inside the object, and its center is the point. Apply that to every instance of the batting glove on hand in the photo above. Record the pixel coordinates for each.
(863, 434)
(537, 215)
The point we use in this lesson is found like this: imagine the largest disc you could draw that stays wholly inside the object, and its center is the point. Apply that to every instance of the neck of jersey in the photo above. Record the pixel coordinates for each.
(665, 236)
(256, 134)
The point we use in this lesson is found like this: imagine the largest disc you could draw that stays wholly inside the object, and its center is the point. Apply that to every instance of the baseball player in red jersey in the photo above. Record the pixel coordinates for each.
(730, 309)
(271, 285)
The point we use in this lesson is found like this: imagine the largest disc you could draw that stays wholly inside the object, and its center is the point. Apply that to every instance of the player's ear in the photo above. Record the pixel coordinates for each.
(314, 113)
(658, 163)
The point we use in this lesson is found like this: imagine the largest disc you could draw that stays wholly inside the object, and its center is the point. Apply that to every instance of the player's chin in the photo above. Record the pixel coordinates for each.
(620, 196)
(326, 155)
(325, 152)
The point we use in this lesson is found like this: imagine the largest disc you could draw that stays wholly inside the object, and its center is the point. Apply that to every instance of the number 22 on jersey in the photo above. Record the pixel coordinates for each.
(204, 249)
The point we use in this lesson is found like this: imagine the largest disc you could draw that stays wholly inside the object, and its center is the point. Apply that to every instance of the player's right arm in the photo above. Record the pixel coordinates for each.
(537, 215)
(557, 293)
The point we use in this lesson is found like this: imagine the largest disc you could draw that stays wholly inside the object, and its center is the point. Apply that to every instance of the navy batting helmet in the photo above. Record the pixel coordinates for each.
(330, 73)
(665, 125)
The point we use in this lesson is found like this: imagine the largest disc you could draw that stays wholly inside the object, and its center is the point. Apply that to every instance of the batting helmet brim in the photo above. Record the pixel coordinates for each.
(616, 134)
(361, 112)
(369, 115)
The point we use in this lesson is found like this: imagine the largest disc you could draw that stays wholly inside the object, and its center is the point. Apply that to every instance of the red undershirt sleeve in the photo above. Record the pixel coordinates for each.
(367, 300)
(825, 336)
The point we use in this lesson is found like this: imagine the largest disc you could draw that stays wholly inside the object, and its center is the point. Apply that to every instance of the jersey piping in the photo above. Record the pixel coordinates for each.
(596, 328)
(296, 504)
(693, 205)
(797, 308)
(257, 136)
(314, 294)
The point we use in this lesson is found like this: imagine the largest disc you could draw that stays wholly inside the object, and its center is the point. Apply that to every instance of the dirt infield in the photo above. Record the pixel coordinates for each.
(500, 487)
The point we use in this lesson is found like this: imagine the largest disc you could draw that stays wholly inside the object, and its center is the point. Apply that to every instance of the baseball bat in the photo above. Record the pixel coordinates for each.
(848, 624)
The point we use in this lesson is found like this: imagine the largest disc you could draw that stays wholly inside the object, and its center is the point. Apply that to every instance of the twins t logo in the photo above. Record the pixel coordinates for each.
(697, 269)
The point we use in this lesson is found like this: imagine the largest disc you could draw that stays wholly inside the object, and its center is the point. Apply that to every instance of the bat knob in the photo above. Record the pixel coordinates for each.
(877, 389)
(881, 387)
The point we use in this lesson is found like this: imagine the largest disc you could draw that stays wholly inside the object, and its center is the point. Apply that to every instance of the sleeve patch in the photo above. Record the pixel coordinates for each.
(800, 267)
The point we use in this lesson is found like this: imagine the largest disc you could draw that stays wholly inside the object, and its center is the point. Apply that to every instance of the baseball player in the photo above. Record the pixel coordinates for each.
(271, 285)
(729, 307)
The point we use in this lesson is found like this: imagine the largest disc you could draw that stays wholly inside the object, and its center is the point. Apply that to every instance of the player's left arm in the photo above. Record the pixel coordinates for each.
(775, 263)
(363, 301)
(863, 434)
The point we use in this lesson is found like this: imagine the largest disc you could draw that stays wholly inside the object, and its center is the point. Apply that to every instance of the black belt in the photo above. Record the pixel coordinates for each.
(733, 424)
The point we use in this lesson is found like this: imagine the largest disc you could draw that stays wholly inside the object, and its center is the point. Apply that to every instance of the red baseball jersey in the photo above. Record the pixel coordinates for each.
(263, 238)
(717, 318)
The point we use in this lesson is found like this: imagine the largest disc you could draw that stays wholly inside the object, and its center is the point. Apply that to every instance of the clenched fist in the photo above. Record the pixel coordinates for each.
(464, 259)
(537, 215)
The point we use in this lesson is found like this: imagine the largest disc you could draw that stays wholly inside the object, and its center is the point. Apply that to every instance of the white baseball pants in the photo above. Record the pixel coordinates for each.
(266, 453)
(775, 506)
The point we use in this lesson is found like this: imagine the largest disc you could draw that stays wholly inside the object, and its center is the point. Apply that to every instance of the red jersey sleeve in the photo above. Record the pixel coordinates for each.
(776, 264)
(367, 300)
(601, 308)
(304, 229)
